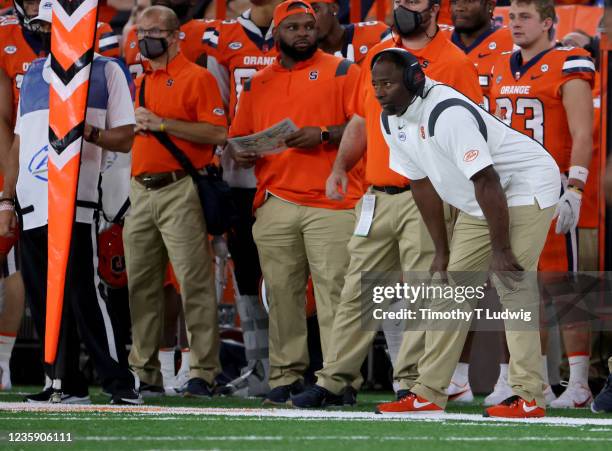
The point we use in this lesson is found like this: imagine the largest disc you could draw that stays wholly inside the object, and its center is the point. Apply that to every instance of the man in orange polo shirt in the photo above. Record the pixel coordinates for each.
(396, 239)
(297, 229)
(166, 222)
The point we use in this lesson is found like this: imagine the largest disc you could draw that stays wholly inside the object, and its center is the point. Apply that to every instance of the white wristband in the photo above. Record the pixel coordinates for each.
(578, 173)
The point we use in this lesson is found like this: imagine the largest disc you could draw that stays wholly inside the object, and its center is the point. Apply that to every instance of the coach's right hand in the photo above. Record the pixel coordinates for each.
(8, 223)
(336, 185)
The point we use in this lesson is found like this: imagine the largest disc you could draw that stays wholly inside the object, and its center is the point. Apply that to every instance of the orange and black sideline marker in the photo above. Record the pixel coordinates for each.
(72, 44)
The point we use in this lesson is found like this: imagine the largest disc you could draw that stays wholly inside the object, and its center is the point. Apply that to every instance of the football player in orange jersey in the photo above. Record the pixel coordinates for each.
(21, 44)
(191, 36)
(475, 34)
(544, 91)
(237, 49)
(350, 41)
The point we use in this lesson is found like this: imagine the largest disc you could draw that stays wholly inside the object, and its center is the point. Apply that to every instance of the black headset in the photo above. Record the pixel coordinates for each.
(413, 75)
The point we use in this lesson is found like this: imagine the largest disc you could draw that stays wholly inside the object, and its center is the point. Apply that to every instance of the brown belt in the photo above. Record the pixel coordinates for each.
(160, 179)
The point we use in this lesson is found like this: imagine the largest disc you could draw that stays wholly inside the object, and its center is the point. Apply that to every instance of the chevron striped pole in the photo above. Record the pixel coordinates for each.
(72, 44)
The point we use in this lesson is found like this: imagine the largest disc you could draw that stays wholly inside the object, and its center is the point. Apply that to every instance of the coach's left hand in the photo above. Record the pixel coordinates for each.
(304, 138)
(146, 121)
(505, 266)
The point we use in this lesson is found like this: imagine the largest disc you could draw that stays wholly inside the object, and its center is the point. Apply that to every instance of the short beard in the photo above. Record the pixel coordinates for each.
(298, 55)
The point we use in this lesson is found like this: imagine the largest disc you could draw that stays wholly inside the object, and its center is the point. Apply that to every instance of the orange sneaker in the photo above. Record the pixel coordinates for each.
(410, 403)
(515, 407)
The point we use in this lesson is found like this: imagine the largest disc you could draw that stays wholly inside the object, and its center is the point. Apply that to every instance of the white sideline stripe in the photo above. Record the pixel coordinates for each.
(292, 438)
(294, 413)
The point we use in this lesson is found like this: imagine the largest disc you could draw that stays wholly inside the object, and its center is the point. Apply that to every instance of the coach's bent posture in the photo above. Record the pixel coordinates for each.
(297, 229)
(504, 184)
(166, 220)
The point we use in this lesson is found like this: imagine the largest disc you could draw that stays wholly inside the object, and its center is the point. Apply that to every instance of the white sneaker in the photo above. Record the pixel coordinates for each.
(501, 392)
(549, 395)
(5, 377)
(460, 392)
(575, 396)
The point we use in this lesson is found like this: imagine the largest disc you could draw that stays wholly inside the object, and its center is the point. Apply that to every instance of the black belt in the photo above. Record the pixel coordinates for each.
(392, 189)
(160, 179)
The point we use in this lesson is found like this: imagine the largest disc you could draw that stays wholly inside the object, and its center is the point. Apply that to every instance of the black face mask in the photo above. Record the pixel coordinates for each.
(152, 48)
(407, 22)
(297, 55)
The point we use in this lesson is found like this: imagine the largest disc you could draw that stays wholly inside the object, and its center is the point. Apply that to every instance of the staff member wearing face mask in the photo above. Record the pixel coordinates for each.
(397, 239)
(166, 222)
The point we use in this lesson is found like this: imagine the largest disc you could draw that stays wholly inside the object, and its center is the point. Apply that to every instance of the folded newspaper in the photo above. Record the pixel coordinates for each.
(268, 141)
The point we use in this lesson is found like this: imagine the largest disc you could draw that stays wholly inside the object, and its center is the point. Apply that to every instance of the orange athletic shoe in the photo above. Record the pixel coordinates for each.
(515, 407)
(410, 403)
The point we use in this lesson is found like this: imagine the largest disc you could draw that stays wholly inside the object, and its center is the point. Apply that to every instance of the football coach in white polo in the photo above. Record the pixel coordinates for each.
(506, 187)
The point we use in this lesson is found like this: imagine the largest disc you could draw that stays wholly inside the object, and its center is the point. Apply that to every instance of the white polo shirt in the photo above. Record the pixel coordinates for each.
(448, 138)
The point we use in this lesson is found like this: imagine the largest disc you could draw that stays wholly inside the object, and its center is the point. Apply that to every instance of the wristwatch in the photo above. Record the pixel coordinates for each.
(324, 135)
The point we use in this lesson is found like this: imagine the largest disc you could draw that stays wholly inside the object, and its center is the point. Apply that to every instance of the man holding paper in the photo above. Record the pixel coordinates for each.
(298, 230)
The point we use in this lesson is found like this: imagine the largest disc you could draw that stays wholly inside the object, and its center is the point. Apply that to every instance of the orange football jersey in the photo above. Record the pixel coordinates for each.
(361, 37)
(16, 53)
(483, 53)
(192, 45)
(527, 97)
(241, 49)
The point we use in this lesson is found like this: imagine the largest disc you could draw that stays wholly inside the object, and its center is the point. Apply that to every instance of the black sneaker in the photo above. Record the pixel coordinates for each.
(198, 387)
(65, 398)
(127, 396)
(151, 391)
(281, 394)
(349, 396)
(402, 394)
(603, 401)
(316, 396)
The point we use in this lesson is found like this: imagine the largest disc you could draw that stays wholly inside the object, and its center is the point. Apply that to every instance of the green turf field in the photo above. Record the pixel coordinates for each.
(241, 424)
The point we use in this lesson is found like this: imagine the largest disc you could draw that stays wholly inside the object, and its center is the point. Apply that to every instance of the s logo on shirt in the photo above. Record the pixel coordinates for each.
(470, 155)
(313, 75)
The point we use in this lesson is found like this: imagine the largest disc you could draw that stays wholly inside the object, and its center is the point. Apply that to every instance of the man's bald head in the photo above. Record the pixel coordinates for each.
(164, 16)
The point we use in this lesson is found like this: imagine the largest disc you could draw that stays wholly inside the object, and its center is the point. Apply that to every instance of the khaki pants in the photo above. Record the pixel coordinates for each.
(397, 241)
(470, 251)
(293, 241)
(168, 224)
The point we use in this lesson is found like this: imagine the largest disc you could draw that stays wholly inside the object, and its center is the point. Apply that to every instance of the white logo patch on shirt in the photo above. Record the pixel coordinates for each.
(10, 49)
(492, 45)
(363, 49)
(219, 111)
(235, 45)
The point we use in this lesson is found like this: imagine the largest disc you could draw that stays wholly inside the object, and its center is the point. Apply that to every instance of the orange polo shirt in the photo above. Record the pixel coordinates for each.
(441, 61)
(316, 92)
(183, 91)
